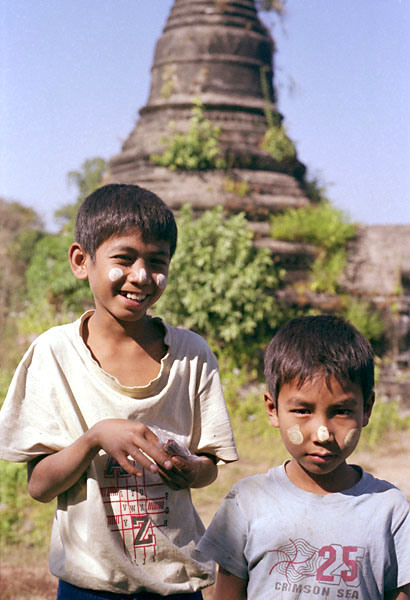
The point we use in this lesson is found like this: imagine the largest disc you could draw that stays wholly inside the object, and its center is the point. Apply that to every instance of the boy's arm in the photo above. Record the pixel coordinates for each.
(402, 593)
(229, 586)
(55, 473)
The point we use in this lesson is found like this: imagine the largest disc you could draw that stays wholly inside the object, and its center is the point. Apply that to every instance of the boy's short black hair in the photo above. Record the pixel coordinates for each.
(117, 208)
(322, 345)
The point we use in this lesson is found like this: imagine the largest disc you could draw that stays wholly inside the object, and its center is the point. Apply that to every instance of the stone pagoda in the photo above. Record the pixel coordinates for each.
(218, 51)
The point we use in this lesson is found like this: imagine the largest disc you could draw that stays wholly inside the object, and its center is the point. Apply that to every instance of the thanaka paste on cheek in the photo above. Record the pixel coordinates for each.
(115, 274)
(323, 434)
(161, 281)
(352, 437)
(295, 436)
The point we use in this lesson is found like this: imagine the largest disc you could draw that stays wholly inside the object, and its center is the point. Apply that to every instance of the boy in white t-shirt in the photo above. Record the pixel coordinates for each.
(315, 526)
(119, 414)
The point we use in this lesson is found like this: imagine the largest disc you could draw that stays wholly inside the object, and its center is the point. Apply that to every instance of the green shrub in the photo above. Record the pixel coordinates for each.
(238, 187)
(22, 519)
(49, 277)
(197, 149)
(385, 419)
(327, 270)
(320, 224)
(277, 143)
(220, 284)
(365, 317)
(324, 226)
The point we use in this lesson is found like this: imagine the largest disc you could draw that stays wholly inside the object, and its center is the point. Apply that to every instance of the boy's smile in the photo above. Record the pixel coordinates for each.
(320, 427)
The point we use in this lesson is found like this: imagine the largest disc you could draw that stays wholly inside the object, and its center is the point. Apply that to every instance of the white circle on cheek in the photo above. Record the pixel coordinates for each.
(323, 434)
(161, 280)
(115, 274)
(352, 437)
(295, 435)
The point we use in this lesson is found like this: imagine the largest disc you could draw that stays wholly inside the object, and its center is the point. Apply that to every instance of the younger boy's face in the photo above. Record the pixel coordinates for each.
(320, 428)
(128, 275)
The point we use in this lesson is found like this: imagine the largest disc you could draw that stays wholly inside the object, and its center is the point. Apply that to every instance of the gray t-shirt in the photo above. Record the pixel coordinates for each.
(294, 544)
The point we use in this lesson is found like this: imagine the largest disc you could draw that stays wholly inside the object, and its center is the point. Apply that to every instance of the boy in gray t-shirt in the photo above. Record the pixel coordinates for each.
(315, 526)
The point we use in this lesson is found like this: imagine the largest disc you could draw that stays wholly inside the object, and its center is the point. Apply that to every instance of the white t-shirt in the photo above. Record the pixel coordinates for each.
(114, 531)
(291, 544)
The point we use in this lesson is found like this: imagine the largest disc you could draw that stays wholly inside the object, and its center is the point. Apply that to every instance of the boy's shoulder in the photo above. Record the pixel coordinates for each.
(185, 341)
(259, 483)
(56, 338)
(276, 484)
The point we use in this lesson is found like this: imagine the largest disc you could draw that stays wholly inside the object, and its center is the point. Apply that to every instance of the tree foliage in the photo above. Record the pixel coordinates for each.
(20, 229)
(86, 180)
(54, 295)
(275, 140)
(220, 285)
(321, 224)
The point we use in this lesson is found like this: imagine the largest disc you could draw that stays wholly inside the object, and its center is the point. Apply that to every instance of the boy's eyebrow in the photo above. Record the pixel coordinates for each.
(295, 400)
(348, 400)
(298, 401)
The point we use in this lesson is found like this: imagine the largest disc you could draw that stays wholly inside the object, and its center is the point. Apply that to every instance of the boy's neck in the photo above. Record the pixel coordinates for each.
(131, 352)
(113, 331)
(342, 478)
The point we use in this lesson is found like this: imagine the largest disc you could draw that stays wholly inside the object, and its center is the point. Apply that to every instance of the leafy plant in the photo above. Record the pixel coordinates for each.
(278, 144)
(327, 269)
(220, 285)
(385, 418)
(321, 224)
(87, 179)
(21, 518)
(238, 187)
(49, 277)
(275, 140)
(364, 317)
(197, 149)
(326, 227)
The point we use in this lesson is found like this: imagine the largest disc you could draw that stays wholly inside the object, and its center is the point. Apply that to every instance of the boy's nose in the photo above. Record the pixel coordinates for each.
(321, 434)
(139, 274)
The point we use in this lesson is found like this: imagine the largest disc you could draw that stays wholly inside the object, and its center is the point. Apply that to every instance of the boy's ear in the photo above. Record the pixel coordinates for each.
(271, 409)
(368, 409)
(77, 258)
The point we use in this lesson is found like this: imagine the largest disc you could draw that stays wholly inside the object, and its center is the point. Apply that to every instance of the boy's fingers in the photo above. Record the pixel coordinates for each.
(148, 454)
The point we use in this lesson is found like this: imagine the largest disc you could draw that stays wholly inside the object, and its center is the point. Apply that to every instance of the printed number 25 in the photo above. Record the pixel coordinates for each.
(330, 553)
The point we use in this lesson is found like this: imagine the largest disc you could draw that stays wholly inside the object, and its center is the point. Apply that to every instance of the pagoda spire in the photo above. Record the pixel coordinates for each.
(220, 52)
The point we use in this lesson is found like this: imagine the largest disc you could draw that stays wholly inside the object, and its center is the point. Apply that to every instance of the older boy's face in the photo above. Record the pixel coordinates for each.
(320, 427)
(128, 275)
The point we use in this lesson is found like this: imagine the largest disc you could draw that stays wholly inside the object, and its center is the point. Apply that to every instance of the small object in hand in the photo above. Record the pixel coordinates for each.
(172, 448)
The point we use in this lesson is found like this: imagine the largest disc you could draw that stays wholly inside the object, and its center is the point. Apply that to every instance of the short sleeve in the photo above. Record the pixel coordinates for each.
(212, 430)
(225, 539)
(401, 545)
(31, 422)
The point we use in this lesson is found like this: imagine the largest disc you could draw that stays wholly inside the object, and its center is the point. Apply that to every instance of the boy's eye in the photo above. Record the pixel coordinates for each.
(159, 261)
(123, 258)
(301, 411)
(343, 411)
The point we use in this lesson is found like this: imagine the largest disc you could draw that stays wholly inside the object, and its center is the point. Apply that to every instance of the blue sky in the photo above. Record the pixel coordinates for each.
(74, 74)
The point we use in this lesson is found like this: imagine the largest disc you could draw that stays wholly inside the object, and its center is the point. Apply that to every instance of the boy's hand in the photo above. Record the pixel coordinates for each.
(194, 471)
(122, 438)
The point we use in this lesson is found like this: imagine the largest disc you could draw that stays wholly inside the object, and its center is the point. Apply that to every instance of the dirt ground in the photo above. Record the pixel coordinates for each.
(24, 571)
